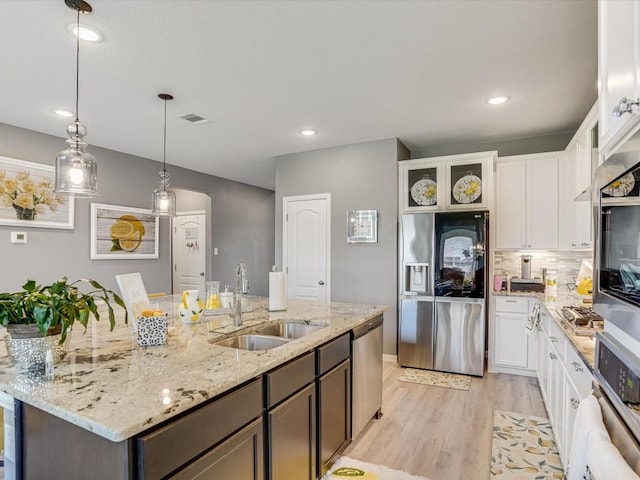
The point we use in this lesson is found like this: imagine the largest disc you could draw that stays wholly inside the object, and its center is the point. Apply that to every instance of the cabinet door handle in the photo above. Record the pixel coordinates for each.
(625, 106)
(574, 403)
(552, 356)
(577, 367)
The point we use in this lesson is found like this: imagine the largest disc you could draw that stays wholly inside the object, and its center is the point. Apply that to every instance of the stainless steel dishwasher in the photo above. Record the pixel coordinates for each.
(367, 374)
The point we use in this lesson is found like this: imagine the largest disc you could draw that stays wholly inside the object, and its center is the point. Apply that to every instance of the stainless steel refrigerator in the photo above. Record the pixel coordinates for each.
(442, 291)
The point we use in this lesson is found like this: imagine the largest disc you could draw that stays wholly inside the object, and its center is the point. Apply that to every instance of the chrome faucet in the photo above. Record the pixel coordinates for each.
(242, 287)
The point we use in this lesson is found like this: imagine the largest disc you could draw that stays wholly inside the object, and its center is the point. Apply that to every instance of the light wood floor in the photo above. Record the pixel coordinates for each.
(441, 433)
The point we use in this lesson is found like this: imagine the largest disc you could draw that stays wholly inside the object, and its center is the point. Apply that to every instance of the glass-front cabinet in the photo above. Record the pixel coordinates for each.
(424, 184)
(456, 182)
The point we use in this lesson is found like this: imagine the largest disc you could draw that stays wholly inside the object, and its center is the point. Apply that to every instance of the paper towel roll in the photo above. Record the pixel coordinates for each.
(277, 291)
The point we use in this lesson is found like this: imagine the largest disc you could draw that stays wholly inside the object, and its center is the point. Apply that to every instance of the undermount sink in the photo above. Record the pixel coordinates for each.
(291, 330)
(252, 342)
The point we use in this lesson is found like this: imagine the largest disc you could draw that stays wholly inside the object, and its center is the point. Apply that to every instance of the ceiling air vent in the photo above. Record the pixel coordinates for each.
(193, 118)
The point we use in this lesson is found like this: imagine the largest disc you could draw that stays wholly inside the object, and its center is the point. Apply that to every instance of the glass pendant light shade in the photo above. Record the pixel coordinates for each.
(164, 200)
(76, 169)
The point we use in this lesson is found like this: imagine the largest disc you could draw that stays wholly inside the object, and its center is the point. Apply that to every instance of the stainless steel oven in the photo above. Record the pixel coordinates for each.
(616, 197)
(617, 388)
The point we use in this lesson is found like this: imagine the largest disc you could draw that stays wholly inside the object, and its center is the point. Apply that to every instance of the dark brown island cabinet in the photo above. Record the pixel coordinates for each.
(291, 423)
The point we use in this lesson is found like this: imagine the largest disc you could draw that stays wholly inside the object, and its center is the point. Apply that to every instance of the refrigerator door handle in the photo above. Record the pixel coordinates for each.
(449, 299)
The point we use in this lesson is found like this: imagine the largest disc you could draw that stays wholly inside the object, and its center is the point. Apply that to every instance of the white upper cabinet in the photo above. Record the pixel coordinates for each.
(455, 182)
(527, 201)
(619, 70)
(511, 204)
(575, 173)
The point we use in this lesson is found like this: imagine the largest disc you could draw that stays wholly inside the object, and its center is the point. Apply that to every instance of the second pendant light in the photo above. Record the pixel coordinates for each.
(164, 200)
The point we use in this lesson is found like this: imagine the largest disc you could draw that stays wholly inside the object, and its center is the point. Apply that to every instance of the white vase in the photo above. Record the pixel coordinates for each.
(191, 307)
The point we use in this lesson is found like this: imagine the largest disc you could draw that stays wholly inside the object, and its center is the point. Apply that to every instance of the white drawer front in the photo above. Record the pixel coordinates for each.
(558, 339)
(512, 305)
(578, 372)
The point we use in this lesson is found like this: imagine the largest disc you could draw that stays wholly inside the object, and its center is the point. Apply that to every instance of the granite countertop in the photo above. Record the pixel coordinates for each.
(109, 385)
(584, 345)
(552, 300)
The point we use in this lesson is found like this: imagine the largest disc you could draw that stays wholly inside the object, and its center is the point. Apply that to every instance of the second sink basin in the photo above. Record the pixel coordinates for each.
(252, 342)
(290, 330)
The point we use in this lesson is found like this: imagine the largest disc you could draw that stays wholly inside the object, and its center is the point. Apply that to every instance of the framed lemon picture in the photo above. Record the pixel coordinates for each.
(123, 232)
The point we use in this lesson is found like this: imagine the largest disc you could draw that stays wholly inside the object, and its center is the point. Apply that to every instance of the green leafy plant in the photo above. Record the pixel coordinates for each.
(57, 305)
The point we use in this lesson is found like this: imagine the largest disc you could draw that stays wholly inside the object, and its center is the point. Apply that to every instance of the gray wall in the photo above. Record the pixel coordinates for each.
(242, 219)
(518, 146)
(359, 177)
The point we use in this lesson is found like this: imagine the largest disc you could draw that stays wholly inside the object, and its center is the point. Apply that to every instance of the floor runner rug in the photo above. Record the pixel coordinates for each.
(346, 468)
(437, 379)
(523, 448)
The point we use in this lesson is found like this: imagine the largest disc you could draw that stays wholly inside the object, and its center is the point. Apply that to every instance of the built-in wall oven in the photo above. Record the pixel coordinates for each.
(617, 201)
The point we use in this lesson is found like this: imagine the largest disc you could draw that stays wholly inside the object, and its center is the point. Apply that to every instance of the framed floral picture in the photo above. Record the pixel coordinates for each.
(27, 198)
(123, 232)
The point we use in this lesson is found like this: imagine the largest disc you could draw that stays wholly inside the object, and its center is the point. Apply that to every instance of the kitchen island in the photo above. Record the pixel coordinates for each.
(110, 386)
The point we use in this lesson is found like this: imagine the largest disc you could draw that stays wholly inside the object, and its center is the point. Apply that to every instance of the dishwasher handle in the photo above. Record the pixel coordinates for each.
(367, 326)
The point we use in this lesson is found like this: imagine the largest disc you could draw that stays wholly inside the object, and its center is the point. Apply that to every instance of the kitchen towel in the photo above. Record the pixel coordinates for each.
(277, 291)
(588, 423)
(604, 461)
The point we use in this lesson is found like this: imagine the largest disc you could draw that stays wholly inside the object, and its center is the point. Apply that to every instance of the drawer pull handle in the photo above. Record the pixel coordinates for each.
(577, 367)
(552, 356)
(574, 403)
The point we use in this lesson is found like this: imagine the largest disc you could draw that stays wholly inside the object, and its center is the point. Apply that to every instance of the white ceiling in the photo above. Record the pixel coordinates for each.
(262, 70)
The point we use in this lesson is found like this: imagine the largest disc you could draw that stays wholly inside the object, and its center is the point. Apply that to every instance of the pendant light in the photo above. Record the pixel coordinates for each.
(164, 200)
(77, 169)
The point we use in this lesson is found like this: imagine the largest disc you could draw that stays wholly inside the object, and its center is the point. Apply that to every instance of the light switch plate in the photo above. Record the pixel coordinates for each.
(18, 237)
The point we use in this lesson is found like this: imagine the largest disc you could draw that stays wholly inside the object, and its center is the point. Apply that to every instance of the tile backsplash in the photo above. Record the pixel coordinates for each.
(564, 263)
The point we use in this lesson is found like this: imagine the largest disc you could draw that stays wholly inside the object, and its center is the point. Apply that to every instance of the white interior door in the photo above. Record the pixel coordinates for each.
(307, 245)
(189, 252)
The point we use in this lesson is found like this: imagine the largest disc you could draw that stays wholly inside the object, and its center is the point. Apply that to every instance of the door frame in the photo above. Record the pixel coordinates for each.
(285, 209)
(171, 234)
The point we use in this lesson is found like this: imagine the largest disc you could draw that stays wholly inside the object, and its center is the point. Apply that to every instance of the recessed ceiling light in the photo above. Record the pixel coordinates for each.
(308, 133)
(89, 34)
(497, 100)
(61, 112)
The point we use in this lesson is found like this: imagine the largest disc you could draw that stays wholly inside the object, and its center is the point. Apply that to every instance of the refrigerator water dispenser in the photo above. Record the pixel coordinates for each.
(416, 277)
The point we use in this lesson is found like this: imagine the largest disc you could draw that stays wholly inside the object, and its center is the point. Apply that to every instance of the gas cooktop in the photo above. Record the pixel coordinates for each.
(582, 320)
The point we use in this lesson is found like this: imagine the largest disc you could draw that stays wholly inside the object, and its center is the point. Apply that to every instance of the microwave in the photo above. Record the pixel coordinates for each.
(616, 198)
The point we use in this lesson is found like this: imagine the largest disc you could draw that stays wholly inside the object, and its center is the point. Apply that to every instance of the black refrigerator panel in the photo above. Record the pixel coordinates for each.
(459, 251)
(417, 332)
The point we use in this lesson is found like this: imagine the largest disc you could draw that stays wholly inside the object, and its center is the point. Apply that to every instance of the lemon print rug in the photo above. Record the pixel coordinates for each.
(436, 379)
(523, 448)
(347, 468)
